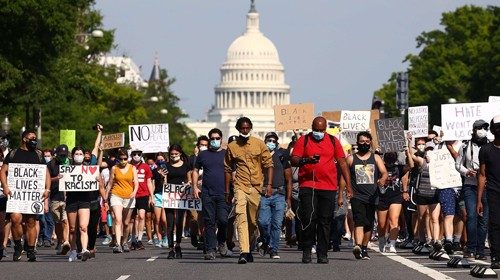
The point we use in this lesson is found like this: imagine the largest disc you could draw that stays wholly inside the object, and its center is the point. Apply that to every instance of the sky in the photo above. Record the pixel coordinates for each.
(335, 53)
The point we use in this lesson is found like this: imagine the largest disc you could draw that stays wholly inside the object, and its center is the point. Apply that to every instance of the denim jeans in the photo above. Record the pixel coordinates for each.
(215, 211)
(337, 230)
(477, 226)
(271, 214)
(46, 227)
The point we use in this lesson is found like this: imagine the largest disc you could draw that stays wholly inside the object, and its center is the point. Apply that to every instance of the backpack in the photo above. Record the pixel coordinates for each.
(13, 153)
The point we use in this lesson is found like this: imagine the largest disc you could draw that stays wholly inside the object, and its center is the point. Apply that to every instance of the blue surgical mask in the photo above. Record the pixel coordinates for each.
(271, 146)
(318, 135)
(215, 144)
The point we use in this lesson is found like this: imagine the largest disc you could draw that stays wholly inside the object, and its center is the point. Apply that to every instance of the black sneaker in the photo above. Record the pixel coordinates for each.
(468, 255)
(274, 255)
(250, 257)
(171, 255)
(139, 245)
(262, 248)
(243, 258)
(456, 247)
(306, 256)
(178, 252)
(31, 255)
(335, 248)
(85, 255)
(437, 246)
(495, 263)
(448, 247)
(364, 255)
(18, 251)
(357, 252)
(323, 260)
(133, 246)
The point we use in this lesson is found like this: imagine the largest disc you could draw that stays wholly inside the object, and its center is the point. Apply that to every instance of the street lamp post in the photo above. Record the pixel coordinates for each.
(82, 38)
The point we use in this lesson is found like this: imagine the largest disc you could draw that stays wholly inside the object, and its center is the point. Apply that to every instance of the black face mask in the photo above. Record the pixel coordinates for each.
(364, 148)
(31, 144)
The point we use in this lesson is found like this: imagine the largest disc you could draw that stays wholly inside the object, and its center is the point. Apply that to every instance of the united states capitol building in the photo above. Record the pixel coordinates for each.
(252, 81)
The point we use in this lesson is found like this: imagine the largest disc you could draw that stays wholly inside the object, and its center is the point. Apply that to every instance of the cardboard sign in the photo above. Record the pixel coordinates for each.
(418, 121)
(391, 134)
(457, 119)
(355, 120)
(149, 138)
(79, 178)
(180, 197)
(494, 99)
(442, 171)
(112, 141)
(27, 184)
(293, 116)
(68, 137)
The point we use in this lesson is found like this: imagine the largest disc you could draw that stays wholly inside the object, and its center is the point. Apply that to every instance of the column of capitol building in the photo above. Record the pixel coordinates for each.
(252, 82)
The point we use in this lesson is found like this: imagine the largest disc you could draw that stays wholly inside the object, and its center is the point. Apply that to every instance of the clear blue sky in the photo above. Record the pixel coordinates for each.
(335, 53)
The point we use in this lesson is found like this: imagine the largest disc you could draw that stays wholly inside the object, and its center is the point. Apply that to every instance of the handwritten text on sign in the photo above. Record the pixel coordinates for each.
(355, 120)
(149, 138)
(442, 170)
(418, 121)
(79, 178)
(112, 141)
(293, 116)
(179, 197)
(390, 134)
(27, 184)
(457, 119)
(348, 136)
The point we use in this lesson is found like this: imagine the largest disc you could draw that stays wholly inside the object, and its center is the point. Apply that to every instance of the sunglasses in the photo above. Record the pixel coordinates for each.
(123, 159)
(135, 154)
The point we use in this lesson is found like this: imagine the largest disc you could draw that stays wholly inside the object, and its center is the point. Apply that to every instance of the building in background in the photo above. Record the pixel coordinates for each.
(127, 70)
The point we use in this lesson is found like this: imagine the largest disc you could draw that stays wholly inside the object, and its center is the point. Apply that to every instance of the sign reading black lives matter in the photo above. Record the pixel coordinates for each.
(27, 184)
(180, 197)
(149, 138)
(390, 134)
(79, 178)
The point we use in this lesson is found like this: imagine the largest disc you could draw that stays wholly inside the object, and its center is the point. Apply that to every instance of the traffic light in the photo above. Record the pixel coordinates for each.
(402, 90)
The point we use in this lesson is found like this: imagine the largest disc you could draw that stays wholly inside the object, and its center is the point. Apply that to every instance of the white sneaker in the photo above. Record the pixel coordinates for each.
(313, 249)
(392, 249)
(73, 256)
(381, 244)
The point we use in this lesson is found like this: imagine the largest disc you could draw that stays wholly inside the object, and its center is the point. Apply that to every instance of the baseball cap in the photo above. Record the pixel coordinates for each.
(271, 135)
(480, 124)
(62, 150)
(430, 145)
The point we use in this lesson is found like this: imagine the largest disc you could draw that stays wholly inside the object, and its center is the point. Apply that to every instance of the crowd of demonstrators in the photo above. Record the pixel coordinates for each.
(313, 190)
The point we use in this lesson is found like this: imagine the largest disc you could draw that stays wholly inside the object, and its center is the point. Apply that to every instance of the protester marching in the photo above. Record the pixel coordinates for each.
(346, 175)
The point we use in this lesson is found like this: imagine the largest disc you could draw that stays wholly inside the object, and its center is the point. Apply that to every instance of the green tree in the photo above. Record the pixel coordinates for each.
(462, 61)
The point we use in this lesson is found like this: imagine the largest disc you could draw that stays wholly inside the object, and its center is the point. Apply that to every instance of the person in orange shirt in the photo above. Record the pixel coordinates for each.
(124, 184)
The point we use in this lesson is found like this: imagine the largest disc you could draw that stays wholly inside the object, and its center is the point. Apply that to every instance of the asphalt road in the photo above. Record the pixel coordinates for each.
(152, 263)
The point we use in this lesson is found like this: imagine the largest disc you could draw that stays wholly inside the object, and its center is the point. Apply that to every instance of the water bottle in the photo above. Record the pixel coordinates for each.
(109, 220)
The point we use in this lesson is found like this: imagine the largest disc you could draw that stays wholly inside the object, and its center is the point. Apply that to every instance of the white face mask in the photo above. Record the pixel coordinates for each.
(245, 135)
(47, 159)
(78, 159)
(203, 148)
(481, 133)
(175, 158)
(421, 147)
(136, 158)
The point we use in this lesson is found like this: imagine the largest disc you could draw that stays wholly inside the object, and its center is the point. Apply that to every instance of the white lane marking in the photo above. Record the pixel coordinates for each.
(455, 271)
(123, 277)
(152, 259)
(432, 273)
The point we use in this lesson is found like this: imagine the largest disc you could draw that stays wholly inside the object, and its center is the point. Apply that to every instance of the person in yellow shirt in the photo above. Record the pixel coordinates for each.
(249, 157)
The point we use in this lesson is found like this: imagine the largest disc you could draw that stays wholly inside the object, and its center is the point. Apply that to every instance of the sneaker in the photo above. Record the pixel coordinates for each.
(171, 255)
(47, 244)
(262, 248)
(85, 255)
(31, 255)
(448, 247)
(468, 255)
(194, 240)
(243, 258)
(357, 252)
(456, 247)
(18, 251)
(209, 256)
(313, 249)
(364, 255)
(39, 242)
(381, 243)
(65, 248)
(92, 254)
(73, 256)
(139, 245)
(150, 242)
(495, 263)
(222, 249)
(392, 249)
(117, 249)
(133, 246)
(106, 240)
(125, 247)
(335, 248)
(346, 236)
(164, 242)
(306, 256)
(437, 246)
(406, 244)
(323, 260)
(58, 248)
(178, 252)
(274, 256)
(480, 257)
(157, 243)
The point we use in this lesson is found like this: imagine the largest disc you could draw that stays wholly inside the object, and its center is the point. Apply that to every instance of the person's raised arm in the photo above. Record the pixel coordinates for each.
(97, 139)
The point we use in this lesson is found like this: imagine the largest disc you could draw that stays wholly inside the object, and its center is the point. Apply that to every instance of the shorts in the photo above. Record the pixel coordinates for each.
(127, 203)
(363, 214)
(158, 200)
(449, 199)
(422, 200)
(390, 197)
(142, 203)
(74, 205)
(3, 204)
(58, 211)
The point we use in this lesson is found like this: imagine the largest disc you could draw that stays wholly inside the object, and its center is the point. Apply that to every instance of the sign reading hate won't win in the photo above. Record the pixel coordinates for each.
(27, 184)
(457, 119)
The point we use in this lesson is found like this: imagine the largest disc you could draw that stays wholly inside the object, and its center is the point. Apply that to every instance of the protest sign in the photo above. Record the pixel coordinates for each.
(442, 171)
(391, 134)
(67, 137)
(494, 99)
(79, 178)
(293, 116)
(457, 119)
(27, 184)
(418, 121)
(112, 141)
(149, 138)
(180, 197)
(437, 129)
(355, 120)
(347, 136)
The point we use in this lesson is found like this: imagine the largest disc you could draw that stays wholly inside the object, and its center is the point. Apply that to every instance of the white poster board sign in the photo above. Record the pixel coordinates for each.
(347, 136)
(442, 170)
(494, 99)
(79, 178)
(418, 121)
(149, 138)
(355, 120)
(457, 119)
(27, 184)
(180, 197)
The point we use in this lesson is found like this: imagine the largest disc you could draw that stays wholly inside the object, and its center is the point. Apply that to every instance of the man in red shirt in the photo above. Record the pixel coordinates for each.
(143, 199)
(315, 154)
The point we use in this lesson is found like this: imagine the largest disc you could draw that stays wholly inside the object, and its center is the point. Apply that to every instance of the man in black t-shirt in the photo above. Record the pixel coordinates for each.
(489, 177)
(27, 153)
